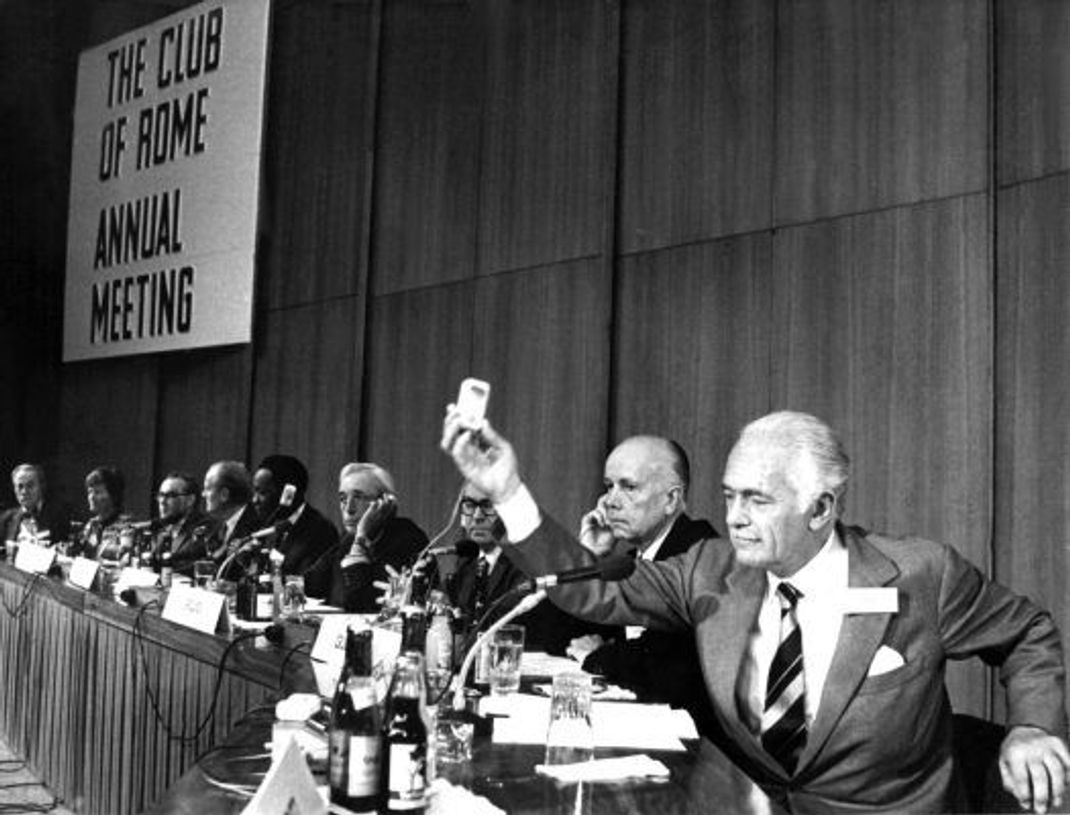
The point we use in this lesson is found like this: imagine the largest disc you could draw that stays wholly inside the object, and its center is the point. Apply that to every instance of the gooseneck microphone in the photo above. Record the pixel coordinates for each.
(610, 569)
(462, 548)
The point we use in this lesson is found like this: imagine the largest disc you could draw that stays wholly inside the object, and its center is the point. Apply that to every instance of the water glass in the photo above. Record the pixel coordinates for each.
(229, 589)
(570, 736)
(203, 573)
(293, 597)
(453, 736)
(506, 652)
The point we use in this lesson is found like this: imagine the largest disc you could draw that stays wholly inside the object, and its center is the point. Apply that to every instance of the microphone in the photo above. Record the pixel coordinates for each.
(289, 492)
(610, 568)
(271, 531)
(462, 548)
(152, 526)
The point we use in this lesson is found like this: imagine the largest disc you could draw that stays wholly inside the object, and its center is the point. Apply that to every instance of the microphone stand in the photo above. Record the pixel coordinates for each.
(524, 606)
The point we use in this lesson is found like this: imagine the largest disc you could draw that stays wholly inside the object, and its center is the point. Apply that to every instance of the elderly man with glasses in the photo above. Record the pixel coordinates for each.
(375, 538)
(188, 530)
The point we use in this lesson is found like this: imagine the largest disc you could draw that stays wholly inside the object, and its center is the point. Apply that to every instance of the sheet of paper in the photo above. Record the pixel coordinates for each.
(616, 724)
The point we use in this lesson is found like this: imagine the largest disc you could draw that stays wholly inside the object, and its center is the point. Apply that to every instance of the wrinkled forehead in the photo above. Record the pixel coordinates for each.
(363, 481)
(173, 485)
(25, 477)
(637, 462)
(476, 494)
(760, 465)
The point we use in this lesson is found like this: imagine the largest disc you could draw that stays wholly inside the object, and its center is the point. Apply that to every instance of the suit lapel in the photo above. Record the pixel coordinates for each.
(728, 630)
(860, 636)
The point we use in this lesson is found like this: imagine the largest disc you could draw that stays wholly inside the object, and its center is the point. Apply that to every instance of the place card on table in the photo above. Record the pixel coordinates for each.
(83, 573)
(196, 608)
(34, 558)
(288, 788)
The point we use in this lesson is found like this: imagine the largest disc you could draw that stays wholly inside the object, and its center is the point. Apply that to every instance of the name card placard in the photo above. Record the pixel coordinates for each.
(196, 608)
(83, 573)
(34, 558)
(330, 645)
(288, 788)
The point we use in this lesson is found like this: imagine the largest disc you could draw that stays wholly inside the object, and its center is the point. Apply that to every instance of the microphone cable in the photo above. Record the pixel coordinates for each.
(22, 606)
(152, 694)
(454, 510)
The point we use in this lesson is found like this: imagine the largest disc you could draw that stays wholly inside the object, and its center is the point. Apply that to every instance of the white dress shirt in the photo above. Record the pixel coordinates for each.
(822, 582)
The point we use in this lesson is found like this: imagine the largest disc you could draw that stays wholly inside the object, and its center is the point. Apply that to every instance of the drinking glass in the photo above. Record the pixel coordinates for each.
(293, 597)
(453, 736)
(203, 573)
(506, 652)
(570, 736)
(229, 589)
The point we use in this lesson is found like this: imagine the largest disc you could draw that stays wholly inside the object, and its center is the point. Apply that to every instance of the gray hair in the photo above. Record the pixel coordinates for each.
(37, 469)
(386, 481)
(820, 462)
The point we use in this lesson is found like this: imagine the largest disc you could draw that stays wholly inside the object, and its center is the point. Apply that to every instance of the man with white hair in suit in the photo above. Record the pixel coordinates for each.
(823, 645)
(375, 538)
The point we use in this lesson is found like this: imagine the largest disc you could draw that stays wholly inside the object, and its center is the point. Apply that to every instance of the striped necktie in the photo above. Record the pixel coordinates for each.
(784, 717)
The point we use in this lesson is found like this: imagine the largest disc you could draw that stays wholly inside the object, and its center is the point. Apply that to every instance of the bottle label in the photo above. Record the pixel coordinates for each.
(407, 779)
(263, 606)
(365, 754)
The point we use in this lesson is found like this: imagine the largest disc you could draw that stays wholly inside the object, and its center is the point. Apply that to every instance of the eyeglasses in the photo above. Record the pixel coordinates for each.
(470, 505)
(346, 497)
(170, 496)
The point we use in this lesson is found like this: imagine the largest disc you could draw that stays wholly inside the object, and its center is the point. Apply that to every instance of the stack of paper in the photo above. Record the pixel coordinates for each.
(523, 719)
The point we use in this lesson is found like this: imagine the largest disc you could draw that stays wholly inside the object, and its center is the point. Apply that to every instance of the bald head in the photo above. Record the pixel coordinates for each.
(646, 481)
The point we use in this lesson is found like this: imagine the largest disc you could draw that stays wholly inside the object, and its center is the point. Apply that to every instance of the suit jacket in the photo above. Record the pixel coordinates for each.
(662, 666)
(192, 539)
(306, 541)
(546, 627)
(247, 524)
(880, 742)
(351, 588)
(55, 518)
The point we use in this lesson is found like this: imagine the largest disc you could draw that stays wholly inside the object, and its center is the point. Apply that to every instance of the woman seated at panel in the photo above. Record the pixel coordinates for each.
(104, 488)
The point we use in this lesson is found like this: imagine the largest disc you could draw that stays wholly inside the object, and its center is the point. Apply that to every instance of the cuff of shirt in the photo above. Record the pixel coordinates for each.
(520, 514)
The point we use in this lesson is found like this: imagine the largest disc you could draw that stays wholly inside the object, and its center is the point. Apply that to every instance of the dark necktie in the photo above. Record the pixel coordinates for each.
(784, 717)
(480, 598)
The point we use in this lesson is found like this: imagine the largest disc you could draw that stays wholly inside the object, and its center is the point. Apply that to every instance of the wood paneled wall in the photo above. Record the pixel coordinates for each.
(630, 216)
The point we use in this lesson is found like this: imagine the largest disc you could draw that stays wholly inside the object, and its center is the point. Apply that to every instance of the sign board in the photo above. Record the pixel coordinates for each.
(200, 610)
(165, 177)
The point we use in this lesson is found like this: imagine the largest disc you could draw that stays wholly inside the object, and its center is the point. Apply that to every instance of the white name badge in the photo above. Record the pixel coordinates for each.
(83, 573)
(34, 559)
(195, 608)
(874, 600)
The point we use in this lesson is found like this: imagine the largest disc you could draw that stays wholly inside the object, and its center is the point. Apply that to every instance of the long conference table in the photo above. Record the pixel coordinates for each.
(122, 712)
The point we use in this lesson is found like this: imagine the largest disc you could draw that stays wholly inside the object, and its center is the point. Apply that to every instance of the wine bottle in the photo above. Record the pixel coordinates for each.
(405, 737)
(166, 570)
(355, 732)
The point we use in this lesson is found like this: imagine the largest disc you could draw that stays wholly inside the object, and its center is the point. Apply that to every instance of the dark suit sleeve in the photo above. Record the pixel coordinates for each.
(318, 575)
(656, 596)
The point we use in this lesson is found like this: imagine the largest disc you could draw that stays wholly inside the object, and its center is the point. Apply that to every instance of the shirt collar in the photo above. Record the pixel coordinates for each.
(491, 557)
(652, 550)
(823, 575)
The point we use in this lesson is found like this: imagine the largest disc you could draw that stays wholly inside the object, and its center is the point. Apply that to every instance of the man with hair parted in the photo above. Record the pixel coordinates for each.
(823, 645)
(643, 513)
(34, 517)
(228, 493)
(375, 538)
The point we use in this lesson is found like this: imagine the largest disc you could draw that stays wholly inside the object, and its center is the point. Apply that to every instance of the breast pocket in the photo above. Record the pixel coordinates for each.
(912, 670)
